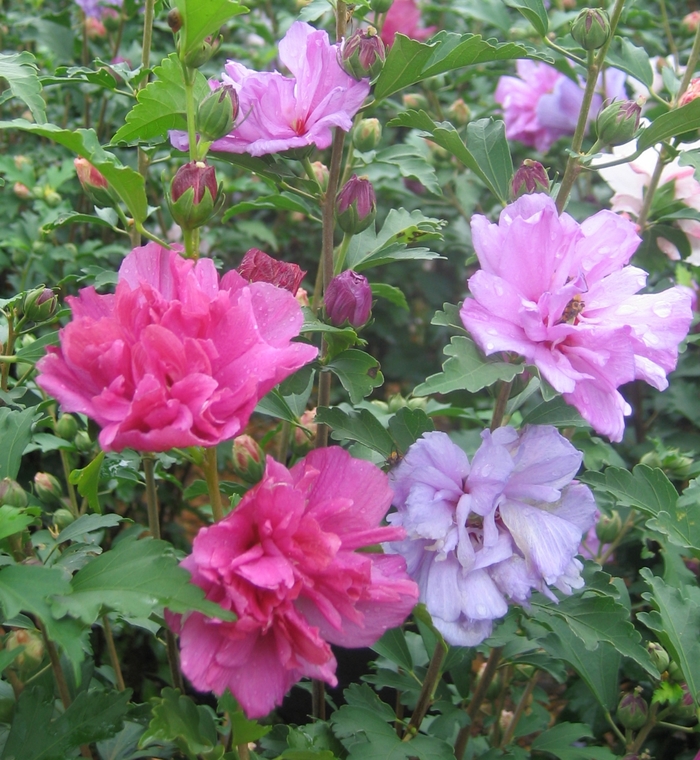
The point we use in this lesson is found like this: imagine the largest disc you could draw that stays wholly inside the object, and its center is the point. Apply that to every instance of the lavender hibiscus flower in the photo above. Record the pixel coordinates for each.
(480, 535)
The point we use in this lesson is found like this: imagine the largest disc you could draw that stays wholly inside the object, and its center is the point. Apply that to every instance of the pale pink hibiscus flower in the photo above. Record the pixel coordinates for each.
(558, 293)
(174, 358)
(404, 18)
(286, 562)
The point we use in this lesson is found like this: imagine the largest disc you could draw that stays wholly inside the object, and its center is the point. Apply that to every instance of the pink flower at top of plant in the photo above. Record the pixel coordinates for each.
(278, 113)
(630, 180)
(404, 18)
(558, 293)
(174, 358)
(691, 93)
(541, 104)
(286, 562)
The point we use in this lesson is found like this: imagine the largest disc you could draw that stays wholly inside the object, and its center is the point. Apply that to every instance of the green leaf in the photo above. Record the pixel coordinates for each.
(410, 164)
(19, 70)
(178, 719)
(676, 622)
(555, 412)
(88, 481)
(87, 524)
(13, 520)
(361, 426)
(407, 426)
(557, 741)
(15, 434)
(34, 351)
(202, 18)
(135, 578)
(646, 489)
(675, 122)
(534, 11)
(358, 373)
(467, 369)
(680, 523)
(279, 202)
(243, 730)
(392, 294)
(125, 181)
(393, 646)
(161, 104)
(633, 60)
(73, 217)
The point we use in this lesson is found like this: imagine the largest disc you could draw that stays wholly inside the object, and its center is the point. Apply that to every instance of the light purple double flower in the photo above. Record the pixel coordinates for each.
(278, 113)
(486, 533)
(541, 104)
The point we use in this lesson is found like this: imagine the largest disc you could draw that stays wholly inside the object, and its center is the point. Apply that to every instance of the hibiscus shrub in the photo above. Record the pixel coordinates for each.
(348, 382)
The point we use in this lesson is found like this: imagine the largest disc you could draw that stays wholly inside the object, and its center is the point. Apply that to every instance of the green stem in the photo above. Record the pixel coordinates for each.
(341, 253)
(690, 66)
(318, 699)
(309, 169)
(615, 729)
(151, 494)
(243, 752)
(669, 34)
(112, 650)
(644, 731)
(651, 190)
(211, 475)
(190, 108)
(191, 238)
(563, 51)
(519, 710)
(499, 408)
(285, 435)
(8, 350)
(425, 698)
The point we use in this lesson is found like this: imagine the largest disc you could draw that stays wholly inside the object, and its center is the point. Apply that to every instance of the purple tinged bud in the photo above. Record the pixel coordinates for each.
(632, 711)
(257, 266)
(618, 122)
(348, 299)
(531, 177)
(363, 54)
(591, 28)
(193, 195)
(356, 205)
(248, 459)
(39, 304)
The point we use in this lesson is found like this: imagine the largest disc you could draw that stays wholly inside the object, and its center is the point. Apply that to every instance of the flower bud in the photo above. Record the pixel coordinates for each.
(632, 711)
(691, 93)
(257, 266)
(321, 173)
(196, 58)
(618, 123)
(248, 459)
(94, 28)
(217, 113)
(111, 19)
(608, 528)
(591, 28)
(175, 20)
(47, 488)
(83, 442)
(66, 427)
(367, 134)
(193, 195)
(93, 183)
(691, 21)
(33, 645)
(363, 54)
(380, 6)
(39, 304)
(356, 205)
(22, 191)
(305, 433)
(659, 656)
(531, 177)
(414, 100)
(62, 518)
(459, 113)
(12, 493)
(348, 299)
(50, 196)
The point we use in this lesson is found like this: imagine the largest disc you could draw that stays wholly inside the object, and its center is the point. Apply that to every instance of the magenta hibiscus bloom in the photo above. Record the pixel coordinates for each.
(286, 562)
(174, 357)
(483, 533)
(559, 293)
(541, 104)
(278, 113)
(404, 18)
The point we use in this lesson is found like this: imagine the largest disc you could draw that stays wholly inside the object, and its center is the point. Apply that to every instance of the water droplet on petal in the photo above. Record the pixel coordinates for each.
(662, 310)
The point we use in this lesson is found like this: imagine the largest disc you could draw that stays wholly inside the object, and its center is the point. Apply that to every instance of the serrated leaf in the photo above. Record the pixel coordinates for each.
(555, 412)
(534, 11)
(161, 104)
(243, 730)
(124, 180)
(408, 162)
(178, 719)
(681, 523)
(135, 578)
(279, 202)
(87, 524)
(557, 741)
(361, 426)
(15, 434)
(358, 373)
(392, 645)
(13, 520)
(467, 369)
(88, 480)
(202, 18)
(675, 122)
(19, 70)
(646, 489)
(407, 426)
(633, 60)
(676, 622)
(392, 294)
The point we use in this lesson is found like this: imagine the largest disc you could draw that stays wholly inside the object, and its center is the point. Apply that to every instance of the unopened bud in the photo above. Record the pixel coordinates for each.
(632, 711)
(459, 113)
(321, 173)
(51, 197)
(356, 205)
(348, 299)
(193, 195)
(691, 93)
(175, 20)
(691, 21)
(257, 266)
(608, 528)
(414, 100)
(47, 488)
(591, 28)
(618, 123)
(367, 134)
(531, 177)
(93, 183)
(12, 493)
(659, 656)
(196, 58)
(83, 442)
(111, 19)
(217, 113)
(248, 459)
(94, 28)
(22, 191)
(62, 518)
(66, 427)
(39, 304)
(363, 54)
(33, 645)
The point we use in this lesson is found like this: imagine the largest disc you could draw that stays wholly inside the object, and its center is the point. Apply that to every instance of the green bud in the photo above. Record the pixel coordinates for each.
(48, 488)
(217, 113)
(39, 304)
(196, 58)
(659, 656)
(83, 442)
(367, 134)
(459, 113)
(248, 459)
(618, 122)
(12, 493)
(608, 528)
(62, 518)
(591, 29)
(66, 427)
(632, 711)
